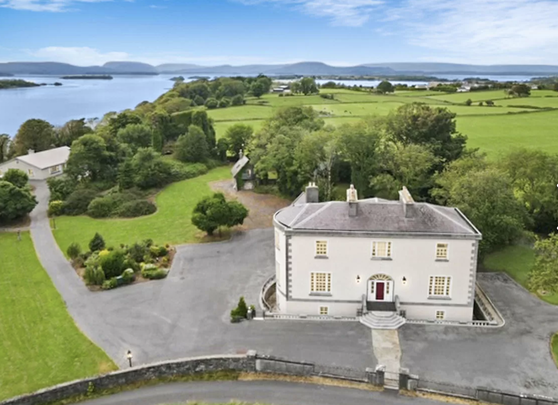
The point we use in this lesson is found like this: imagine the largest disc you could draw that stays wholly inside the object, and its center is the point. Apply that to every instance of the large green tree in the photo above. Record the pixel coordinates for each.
(213, 212)
(385, 87)
(238, 136)
(308, 86)
(434, 127)
(122, 120)
(15, 202)
(150, 169)
(485, 196)
(192, 146)
(4, 147)
(135, 136)
(71, 131)
(17, 177)
(90, 159)
(534, 175)
(34, 134)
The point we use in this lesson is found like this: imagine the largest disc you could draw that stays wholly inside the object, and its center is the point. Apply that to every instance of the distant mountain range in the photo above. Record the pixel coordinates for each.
(302, 68)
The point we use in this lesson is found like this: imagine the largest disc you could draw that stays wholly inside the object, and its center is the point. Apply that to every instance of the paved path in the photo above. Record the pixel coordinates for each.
(388, 352)
(268, 392)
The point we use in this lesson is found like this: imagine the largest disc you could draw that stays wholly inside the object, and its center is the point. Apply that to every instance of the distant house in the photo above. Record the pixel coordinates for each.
(281, 89)
(243, 174)
(40, 165)
(380, 259)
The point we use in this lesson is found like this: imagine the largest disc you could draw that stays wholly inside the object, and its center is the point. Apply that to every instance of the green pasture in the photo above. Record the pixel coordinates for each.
(498, 134)
(240, 113)
(540, 102)
(40, 345)
(461, 98)
(170, 224)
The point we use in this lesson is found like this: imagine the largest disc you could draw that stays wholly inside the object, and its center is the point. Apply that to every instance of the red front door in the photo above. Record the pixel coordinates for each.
(380, 289)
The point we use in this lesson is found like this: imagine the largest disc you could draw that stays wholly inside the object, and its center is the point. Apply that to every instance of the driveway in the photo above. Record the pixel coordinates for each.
(514, 358)
(187, 313)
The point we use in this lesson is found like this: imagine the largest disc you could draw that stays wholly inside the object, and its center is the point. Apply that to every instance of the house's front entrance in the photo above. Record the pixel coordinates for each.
(380, 292)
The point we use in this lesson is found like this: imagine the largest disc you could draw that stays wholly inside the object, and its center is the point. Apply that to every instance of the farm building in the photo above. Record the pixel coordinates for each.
(243, 174)
(40, 165)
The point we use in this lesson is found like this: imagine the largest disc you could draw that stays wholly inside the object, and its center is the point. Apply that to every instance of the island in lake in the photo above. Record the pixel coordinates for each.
(16, 83)
(90, 77)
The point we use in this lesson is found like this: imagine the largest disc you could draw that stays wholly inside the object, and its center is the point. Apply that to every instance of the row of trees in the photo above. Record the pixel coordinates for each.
(417, 146)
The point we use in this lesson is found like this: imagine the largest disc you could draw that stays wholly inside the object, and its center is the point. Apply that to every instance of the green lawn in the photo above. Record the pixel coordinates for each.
(460, 98)
(170, 224)
(541, 102)
(245, 112)
(40, 345)
(517, 261)
(501, 133)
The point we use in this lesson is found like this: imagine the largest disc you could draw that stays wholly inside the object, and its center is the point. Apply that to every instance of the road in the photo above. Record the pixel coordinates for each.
(268, 392)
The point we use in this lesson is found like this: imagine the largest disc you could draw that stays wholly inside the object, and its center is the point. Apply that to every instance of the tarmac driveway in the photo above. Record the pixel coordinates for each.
(515, 358)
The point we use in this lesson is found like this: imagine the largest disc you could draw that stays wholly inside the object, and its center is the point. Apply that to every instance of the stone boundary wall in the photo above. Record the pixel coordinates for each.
(414, 383)
(254, 363)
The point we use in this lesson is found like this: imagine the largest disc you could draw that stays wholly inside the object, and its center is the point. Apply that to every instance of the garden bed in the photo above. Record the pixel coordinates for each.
(106, 268)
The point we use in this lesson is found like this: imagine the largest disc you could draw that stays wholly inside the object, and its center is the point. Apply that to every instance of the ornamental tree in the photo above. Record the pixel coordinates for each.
(213, 212)
(15, 202)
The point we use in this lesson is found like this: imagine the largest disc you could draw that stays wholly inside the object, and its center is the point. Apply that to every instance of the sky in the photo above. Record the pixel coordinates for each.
(239, 32)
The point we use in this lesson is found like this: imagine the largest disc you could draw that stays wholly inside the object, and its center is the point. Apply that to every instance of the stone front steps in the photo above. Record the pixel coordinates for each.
(382, 320)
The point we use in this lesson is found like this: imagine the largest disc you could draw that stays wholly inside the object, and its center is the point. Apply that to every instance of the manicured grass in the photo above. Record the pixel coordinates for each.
(554, 348)
(170, 224)
(517, 261)
(40, 345)
(498, 134)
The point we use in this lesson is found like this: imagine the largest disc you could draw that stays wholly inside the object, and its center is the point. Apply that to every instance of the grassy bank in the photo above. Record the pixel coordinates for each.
(170, 224)
(516, 261)
(40, 345)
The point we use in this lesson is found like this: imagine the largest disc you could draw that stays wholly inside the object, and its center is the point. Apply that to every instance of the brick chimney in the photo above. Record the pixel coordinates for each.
(312, 193)
(406, 200)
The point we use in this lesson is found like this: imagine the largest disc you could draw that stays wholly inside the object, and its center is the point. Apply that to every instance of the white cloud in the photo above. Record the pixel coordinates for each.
(43, 5)
(81, 56)
(352, 13)
(482, 31)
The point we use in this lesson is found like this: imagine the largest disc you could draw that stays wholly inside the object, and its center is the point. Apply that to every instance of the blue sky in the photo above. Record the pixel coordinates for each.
(339, 32)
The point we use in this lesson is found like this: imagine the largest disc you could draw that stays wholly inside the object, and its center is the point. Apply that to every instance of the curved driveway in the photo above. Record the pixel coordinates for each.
(268, 392)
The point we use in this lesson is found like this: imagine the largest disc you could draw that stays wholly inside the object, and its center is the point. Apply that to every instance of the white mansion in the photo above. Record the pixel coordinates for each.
(348, 258)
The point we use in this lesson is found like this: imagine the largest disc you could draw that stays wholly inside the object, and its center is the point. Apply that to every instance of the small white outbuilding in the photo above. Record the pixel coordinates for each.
(40, 165)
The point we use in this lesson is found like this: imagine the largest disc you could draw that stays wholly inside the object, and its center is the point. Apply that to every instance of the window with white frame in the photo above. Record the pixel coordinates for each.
(441, 251)
(30, 172)
(381, 249)
(321, 248)
(55, 169)
(277, 240)
(440, 315)
(324, 310)
(439, 286)
(320, 282)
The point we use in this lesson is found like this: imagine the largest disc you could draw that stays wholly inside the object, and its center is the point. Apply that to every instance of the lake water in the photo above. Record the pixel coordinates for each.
(93, 98)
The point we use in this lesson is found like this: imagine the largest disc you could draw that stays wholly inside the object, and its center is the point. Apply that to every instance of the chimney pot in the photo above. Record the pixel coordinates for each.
(352, 195)
(312, 193)
(30, 151)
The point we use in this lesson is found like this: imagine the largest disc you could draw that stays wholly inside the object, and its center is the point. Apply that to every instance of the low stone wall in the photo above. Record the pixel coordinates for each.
(250, 362)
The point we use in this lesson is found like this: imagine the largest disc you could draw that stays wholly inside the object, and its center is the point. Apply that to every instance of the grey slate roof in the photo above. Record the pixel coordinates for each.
(376, 215)
(243, 161)
(48, 158)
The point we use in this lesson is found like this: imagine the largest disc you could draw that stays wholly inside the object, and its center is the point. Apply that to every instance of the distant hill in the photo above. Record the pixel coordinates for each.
(454, 68)
(302, 69)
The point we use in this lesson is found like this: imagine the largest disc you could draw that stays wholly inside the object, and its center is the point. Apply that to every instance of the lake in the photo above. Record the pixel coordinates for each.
(88, 98)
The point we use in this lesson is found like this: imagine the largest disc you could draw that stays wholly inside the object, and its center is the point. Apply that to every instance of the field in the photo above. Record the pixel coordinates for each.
(40, 345)
(511, 123)
(517, 262)
(170, 224)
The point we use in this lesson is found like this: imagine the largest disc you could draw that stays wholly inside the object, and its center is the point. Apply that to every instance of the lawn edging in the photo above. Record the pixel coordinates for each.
(554, 348)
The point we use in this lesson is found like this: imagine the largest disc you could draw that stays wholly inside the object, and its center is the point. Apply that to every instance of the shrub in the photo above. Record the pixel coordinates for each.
(129, 263)
(128, 276)
(113, 264)
(153, 273)
(73, 251)
(469, 102)
(158, 251)
(55, 208)
(137, 251)
(224, 103)
(237, 100)
(110, 284)
(328, 96)
(97, 243)
(94, 275)
(136, 209)
(78, 201)
(17, 177)
(241, 309)
(211, 103)
(102, 207)
(60, 187)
